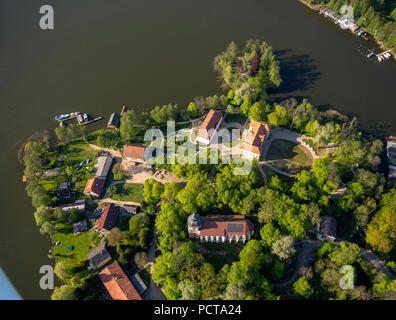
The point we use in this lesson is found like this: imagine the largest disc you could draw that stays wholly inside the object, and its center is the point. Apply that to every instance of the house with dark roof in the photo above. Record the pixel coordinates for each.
(327, 228)
(129, 209)
(134, 153)
(94, 187)
(253, 138)
(118, 284)
(64, 190)
(80, 226)
(114, 121)
(210, 126)
(79, 205)
(108, 218)
(219, 228)
(103, 165)
(98, 257)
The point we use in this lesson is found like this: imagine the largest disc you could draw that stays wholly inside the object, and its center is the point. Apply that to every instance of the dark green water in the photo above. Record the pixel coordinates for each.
(103, 54)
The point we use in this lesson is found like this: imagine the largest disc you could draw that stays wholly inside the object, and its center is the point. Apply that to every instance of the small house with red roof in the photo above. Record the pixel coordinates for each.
(108, 218)
(219, 228)
(94, 187)
(134, 153)
(209, 127)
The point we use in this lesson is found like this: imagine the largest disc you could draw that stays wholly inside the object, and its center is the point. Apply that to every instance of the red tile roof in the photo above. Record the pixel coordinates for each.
(118, 284)
(225, 226)
(254, 135)
(133, 152)
(108, 218)
(210, 122)
(94, 185)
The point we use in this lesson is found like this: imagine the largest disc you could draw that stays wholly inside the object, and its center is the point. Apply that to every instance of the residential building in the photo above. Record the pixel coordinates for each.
(108, 218)
(138, 283)
(345, 23)
(219, 228)
(94, 187)
(129, 209)
(114, 121)
(118, 284)
(210, 126)
(64, 190)
(103, 165)
(80, 226)
(253, 138)
(327, 228)
(98, 257)
(79, 205)
(134, 153)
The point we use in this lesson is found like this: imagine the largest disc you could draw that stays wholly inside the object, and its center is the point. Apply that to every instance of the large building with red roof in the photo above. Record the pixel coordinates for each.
(133, 153)
(219, 228)
(118, 284)
(253, 138)
(209, 127)
(108, 218)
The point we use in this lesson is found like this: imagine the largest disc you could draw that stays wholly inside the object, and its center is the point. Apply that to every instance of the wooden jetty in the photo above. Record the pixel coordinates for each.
(123, 110)
(382, 53)
(90, 121)
(67, 119)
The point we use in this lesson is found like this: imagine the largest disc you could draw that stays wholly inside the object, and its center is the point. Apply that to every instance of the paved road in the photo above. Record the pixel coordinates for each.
(307, 250)
(153, 292)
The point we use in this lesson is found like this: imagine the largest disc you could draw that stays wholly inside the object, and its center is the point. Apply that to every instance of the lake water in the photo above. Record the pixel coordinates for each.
(103, 54)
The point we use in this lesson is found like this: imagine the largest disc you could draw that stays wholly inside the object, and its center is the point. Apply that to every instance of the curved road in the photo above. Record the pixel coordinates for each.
(307, 251)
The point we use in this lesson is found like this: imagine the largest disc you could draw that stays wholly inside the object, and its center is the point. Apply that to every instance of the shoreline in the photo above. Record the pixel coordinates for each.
(315, 7)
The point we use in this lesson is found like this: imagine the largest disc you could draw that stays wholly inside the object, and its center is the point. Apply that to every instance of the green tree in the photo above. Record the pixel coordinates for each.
(129, 125)
(64, 292)
(284, 248)
(153, 191)
(114, 237)
(42, 215)
(302, 288)
(47, 228)
(270, 234)
(346, 254)
(193, 110)
(279, 117)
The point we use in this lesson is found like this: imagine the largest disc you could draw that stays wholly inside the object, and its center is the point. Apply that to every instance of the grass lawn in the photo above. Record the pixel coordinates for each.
(128, 192)
(81, 243)
(289, 156)
(220, 254)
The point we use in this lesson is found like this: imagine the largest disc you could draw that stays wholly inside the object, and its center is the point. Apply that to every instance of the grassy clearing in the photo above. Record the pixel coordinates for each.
(220, 254)
(82, 243)
(289, 156)
(236, 117)
(127, 192)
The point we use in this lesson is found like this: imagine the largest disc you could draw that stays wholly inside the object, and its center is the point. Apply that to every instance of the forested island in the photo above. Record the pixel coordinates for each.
(313, 164)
